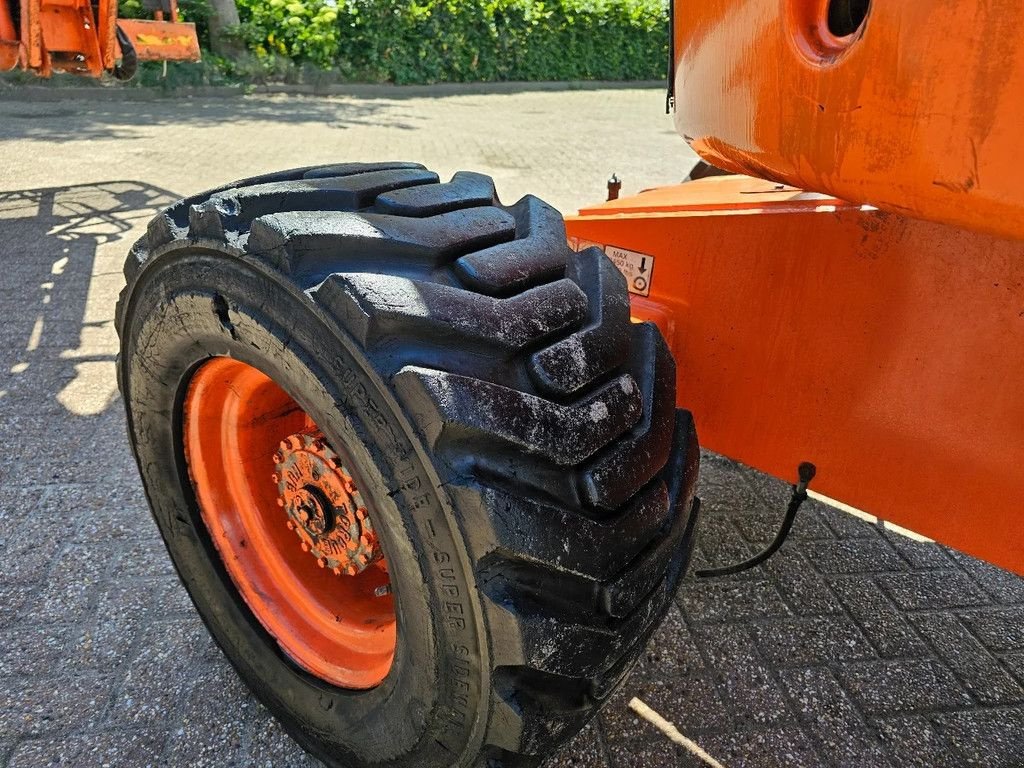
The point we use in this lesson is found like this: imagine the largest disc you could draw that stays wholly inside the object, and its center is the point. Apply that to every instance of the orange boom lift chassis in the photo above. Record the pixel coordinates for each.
(426, 473)
(83, 37)
(857, 299)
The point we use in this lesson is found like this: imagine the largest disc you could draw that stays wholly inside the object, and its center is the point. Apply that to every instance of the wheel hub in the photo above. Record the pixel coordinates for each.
(323, 505)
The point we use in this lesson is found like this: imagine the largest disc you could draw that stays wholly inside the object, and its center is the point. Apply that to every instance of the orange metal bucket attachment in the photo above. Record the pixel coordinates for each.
(162, 40)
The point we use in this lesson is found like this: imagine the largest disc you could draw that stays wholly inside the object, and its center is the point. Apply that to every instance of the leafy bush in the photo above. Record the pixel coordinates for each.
(462, 40)
(300, 30)
(429, 41)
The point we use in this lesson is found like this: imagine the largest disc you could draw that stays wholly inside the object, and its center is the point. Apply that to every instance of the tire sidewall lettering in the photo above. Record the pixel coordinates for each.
(161, 315)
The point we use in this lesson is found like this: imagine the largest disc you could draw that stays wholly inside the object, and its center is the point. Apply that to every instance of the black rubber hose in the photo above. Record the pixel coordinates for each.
(126, 68)
(806, 472)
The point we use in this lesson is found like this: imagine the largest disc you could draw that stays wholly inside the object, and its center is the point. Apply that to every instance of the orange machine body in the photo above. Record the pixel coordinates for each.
(10, 48)
(919, 111)
(80, 37)
(874, 326)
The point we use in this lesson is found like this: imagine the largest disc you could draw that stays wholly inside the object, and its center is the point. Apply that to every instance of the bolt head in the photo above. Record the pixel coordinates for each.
(305, 546)
(321, 562)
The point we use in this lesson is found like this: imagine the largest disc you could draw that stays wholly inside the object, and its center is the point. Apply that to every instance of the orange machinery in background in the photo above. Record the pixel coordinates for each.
(860, 303)
(86, 38)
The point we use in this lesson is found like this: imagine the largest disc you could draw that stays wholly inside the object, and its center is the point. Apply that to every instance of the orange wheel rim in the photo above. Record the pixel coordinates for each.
(290, 524)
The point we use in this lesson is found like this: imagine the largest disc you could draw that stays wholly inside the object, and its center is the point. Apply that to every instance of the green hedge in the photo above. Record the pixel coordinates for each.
(427, 41)
(430, 41)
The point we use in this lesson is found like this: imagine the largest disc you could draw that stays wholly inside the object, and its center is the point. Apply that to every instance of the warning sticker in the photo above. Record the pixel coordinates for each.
(637, 267)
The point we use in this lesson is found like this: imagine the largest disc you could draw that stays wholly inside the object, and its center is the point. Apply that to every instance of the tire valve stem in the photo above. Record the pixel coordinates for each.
(383, 590)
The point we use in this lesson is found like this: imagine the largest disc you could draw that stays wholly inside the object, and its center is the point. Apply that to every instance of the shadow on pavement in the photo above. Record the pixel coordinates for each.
(854, 645)
(61, 272)
(80, 120)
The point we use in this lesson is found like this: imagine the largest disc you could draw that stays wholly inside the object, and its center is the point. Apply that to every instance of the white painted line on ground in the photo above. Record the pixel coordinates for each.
(868, 517)
(907, 532)
(843, 507)
(672, 732)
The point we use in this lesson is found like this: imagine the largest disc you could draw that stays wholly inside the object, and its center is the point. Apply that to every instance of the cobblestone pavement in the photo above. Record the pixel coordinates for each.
(854, 646)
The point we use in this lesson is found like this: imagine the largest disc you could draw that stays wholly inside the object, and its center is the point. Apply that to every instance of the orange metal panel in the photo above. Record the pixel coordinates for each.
(9, 48)
(919, 112)
(9, 54)
(32, 38)
(69, 37)
(6, 23)
(162, 40)
(106, 16)
(885, 349)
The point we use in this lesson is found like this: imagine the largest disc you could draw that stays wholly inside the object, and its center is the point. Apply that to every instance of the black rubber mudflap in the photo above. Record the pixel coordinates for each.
(549, 417)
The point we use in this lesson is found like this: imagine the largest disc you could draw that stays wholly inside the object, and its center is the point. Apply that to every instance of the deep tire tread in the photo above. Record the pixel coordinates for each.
(551, 415)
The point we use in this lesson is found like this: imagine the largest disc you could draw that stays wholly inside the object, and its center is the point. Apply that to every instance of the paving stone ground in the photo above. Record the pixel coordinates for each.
(854, 646)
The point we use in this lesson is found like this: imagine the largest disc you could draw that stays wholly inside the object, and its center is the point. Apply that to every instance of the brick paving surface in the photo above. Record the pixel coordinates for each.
(854, 646)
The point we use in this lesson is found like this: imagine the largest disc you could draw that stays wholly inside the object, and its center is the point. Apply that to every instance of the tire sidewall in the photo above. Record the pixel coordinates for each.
(425, 713)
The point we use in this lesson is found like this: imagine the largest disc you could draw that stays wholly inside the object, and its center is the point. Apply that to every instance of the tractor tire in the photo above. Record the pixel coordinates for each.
(309, 352)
